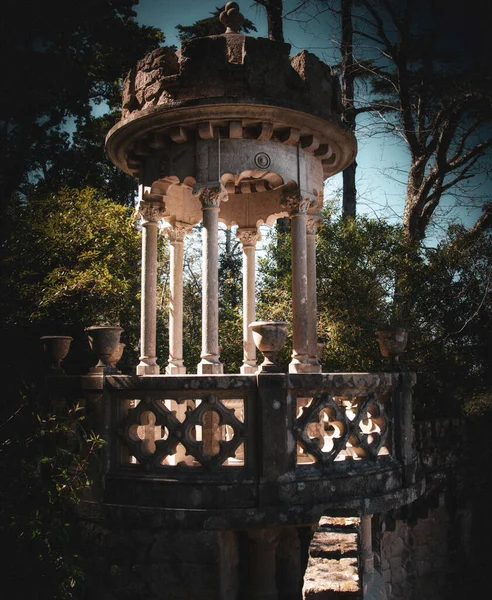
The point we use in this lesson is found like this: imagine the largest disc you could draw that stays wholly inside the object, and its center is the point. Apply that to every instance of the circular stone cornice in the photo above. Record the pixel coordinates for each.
(137, 134)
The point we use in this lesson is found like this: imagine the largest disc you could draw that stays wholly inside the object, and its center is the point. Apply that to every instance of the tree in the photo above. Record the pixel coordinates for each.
(449, 313)
(72, 260)
(451, 321)
(61, 59)
(44, 466)
(437, 101)
(274, 11)
(230, 301)
(82, 162)
(349, 114)
(209, 26)
(427, 89)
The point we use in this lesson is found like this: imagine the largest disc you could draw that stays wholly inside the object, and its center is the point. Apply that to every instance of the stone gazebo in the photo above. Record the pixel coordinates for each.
(209, 485)
(230, 129)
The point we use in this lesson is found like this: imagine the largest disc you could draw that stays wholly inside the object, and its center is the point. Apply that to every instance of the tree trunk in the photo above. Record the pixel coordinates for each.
(349, 196)
(274, 15)
(412, 214)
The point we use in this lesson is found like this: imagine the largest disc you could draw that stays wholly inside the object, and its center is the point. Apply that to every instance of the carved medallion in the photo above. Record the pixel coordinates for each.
(262, 160)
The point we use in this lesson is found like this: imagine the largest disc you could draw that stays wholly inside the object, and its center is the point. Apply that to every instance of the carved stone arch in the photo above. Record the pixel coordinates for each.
(254, 197)
(181, 203)
(251, 181)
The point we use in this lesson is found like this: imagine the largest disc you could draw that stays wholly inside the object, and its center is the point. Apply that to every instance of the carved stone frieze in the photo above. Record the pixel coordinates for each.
(296, 204)
(211, 197)
(248, 236)
(151, 211)
(177, 232)
(312, 225)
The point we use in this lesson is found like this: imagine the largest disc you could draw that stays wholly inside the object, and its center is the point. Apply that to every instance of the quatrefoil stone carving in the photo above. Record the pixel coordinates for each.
(211, 414)
(357, 427)
(152, 432)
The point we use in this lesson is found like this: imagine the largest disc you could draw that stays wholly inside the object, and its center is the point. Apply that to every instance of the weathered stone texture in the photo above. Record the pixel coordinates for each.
(158, 564)
(235, 68)
(415, 561)
(332, 571)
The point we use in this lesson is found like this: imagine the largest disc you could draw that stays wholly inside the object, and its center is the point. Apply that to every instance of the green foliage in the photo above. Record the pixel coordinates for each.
(209, 26)
(368, 277)
(357, 266)
(230, 303)
(71, 260)
(192, 302)
(44, 467)
(71, 256)
(452, 323)
(62, 57)
(81, 161)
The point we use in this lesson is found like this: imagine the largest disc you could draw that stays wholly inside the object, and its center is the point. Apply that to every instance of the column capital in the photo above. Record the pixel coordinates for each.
(248, 236)
(177, 231)
(151, 211)
(211, 197)
(295, 204)
(312, 224)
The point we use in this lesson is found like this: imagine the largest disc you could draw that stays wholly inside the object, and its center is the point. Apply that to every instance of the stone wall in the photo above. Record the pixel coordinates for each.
(140, 563)
(433, 548)
(418, 559)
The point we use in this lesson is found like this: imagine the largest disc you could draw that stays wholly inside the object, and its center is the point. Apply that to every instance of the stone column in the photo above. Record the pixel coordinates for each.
(176, 235)
(262, 564)
(249, 237)
(297, 208)
(367, 555)
(210, 363)
(312, 227)
(150, 210)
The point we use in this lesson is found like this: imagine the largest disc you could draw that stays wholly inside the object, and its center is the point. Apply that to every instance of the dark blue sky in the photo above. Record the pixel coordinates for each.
(381, 160)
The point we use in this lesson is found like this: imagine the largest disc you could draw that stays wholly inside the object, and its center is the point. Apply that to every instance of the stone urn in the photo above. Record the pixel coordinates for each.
(115, 358)
(392, 343)
(269, 337)
(56, 347)
(104, 341)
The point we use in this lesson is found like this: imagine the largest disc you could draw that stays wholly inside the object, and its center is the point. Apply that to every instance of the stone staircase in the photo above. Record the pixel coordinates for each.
(332, 571)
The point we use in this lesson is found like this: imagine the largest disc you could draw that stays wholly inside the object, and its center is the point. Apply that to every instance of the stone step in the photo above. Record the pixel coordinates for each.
(333, 545)
(332, 571)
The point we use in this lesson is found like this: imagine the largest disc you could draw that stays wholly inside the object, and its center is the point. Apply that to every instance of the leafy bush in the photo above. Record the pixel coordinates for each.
(44, 462)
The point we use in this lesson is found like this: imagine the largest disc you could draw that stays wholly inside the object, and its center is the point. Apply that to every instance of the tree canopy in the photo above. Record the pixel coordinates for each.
(71, 260)
(59, 60)
(449, 313)
(418, 68)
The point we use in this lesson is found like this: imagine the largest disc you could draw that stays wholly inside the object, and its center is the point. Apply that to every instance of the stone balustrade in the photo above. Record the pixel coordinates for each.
(278, 448)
